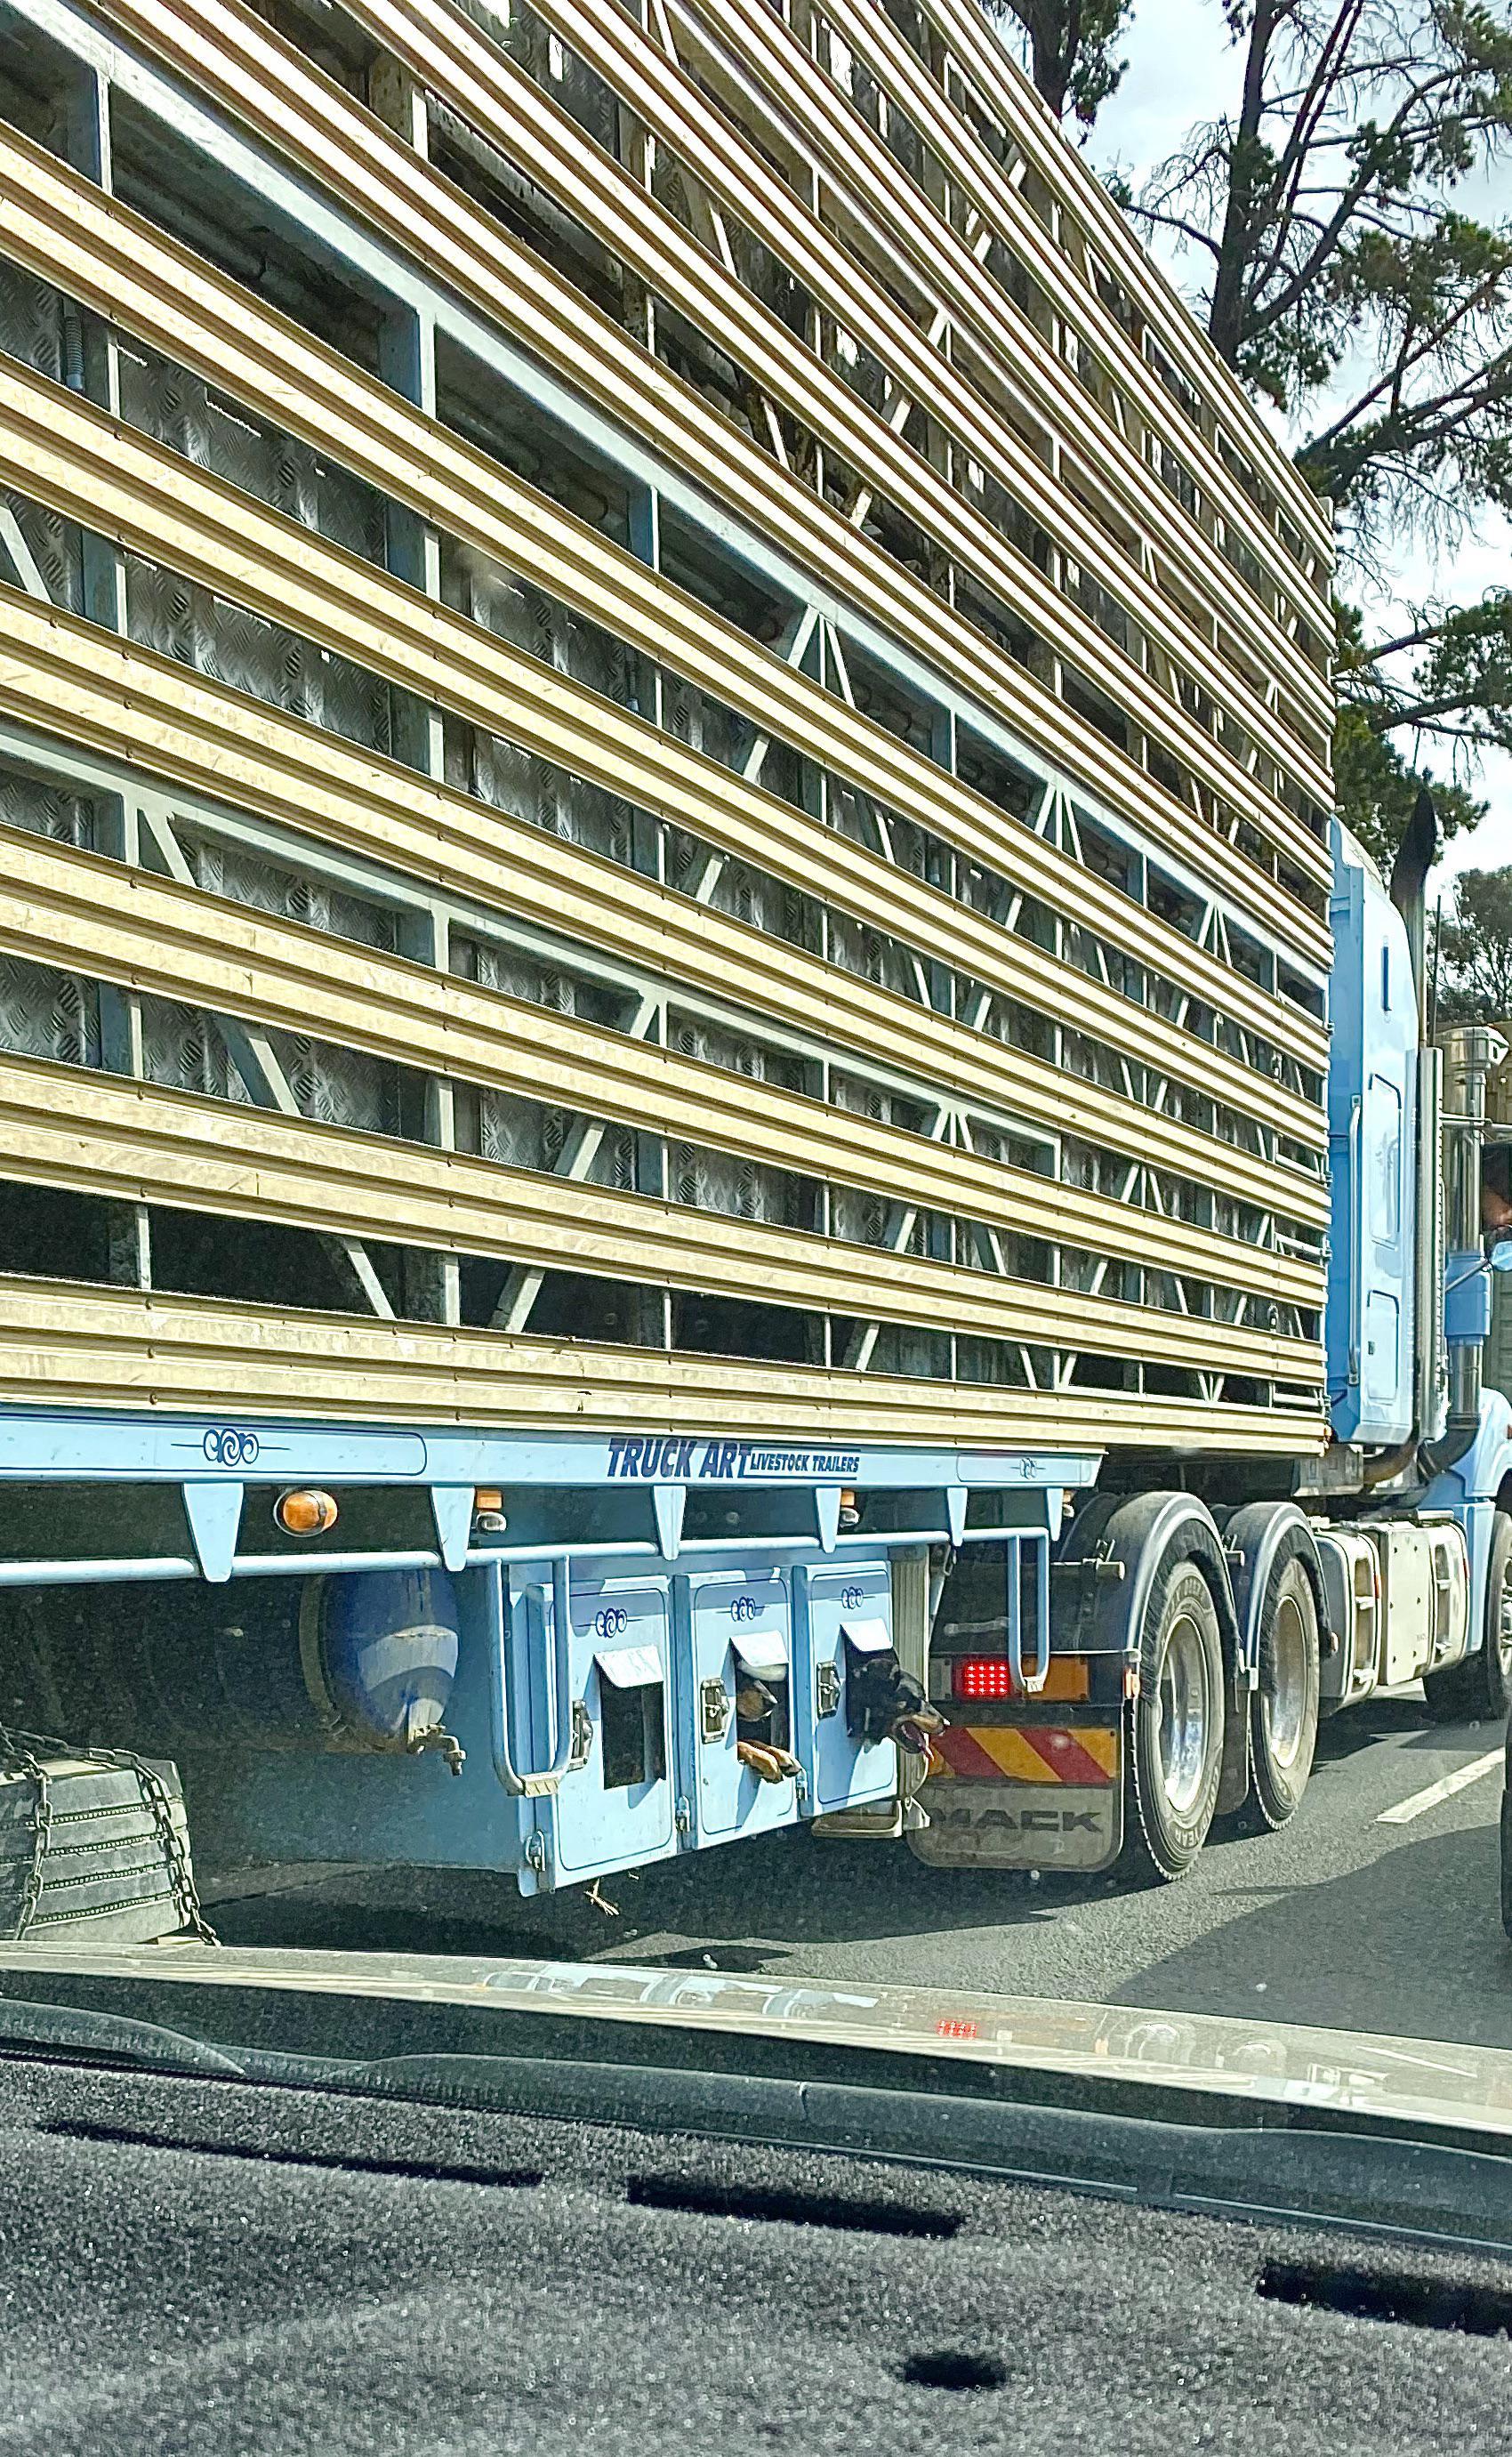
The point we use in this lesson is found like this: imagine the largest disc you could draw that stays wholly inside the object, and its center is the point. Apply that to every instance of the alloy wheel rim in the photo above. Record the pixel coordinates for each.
(1283, 1700)
(1186, 1715)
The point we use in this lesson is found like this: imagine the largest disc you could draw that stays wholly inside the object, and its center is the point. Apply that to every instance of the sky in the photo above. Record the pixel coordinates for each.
(1180, 69)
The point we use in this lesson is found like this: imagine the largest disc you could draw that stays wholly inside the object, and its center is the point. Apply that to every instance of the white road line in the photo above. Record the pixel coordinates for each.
(1444, 1790)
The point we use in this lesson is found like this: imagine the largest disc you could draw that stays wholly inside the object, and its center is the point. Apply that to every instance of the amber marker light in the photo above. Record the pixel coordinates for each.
(305, 1511)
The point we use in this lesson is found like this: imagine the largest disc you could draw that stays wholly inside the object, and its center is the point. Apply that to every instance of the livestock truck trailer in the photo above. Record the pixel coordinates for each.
(702, 1126)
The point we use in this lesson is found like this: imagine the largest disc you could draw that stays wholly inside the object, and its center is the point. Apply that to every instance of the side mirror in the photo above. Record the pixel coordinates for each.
(1501, 1256)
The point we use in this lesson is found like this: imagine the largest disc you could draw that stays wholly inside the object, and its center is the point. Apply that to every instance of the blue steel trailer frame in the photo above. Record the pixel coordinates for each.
(549, 1627)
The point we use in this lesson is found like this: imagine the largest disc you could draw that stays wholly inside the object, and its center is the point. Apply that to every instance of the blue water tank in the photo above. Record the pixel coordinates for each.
(355, 1660)
(384, 1651)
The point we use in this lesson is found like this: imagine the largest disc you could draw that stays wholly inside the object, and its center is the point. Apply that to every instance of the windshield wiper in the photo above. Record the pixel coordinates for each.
(75, 2035)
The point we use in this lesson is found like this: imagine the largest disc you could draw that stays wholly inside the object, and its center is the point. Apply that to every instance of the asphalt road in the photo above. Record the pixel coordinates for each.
(1342, 1919)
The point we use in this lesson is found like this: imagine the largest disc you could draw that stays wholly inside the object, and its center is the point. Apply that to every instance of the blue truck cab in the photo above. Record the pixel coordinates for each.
(1410, 1273)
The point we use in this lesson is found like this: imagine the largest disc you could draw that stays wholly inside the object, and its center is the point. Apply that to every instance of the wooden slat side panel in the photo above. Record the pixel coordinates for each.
(64, 230)
(494, 96)
(144, 1143)
(998, 77)
(129, 704)
(743, 51)
(75, 459)
(153, 502)
(547, 1058)
(855, 166)
(260, 81)
(116, 1349)
(60, 908)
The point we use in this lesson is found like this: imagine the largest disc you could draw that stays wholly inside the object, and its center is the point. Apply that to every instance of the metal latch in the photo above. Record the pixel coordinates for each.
(581, 1735)
(827, 1690)
(716, 1708)
(1097, 1569)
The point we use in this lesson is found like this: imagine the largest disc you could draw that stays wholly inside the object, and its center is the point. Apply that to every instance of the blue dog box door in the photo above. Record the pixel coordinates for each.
(741, 1652)
(848, 1616)
(616, 1802)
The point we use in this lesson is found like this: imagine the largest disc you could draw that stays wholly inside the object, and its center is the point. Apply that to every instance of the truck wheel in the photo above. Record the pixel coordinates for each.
(1283, 1710)
(1173, 1729)
(1480, 1689)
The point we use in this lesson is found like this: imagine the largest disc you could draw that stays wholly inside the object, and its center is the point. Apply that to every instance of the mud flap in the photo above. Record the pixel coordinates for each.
(1008, 1825)
(1233, 1783)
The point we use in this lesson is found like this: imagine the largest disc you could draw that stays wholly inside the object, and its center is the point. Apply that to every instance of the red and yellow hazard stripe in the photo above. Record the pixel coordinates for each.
(1024, 1753)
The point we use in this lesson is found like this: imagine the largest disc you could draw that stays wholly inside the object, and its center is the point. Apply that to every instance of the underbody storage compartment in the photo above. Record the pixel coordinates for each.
(845, 1619)
(616, 1800)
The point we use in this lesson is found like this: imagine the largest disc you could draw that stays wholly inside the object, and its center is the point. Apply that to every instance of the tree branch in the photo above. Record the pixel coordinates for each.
(1172, 222)
(1350, 197)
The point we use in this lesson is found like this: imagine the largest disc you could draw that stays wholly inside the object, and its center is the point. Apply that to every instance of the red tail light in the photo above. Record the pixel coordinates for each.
(981, 1676)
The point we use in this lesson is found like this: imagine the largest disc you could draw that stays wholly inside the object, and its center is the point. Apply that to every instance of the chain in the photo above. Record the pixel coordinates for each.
(18, 1754)
(18, 1758)
(175, 1842)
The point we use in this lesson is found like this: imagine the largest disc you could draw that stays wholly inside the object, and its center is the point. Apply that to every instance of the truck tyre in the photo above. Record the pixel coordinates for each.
(1283, 1710)
(1173, 1729)
(1480, 1689)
